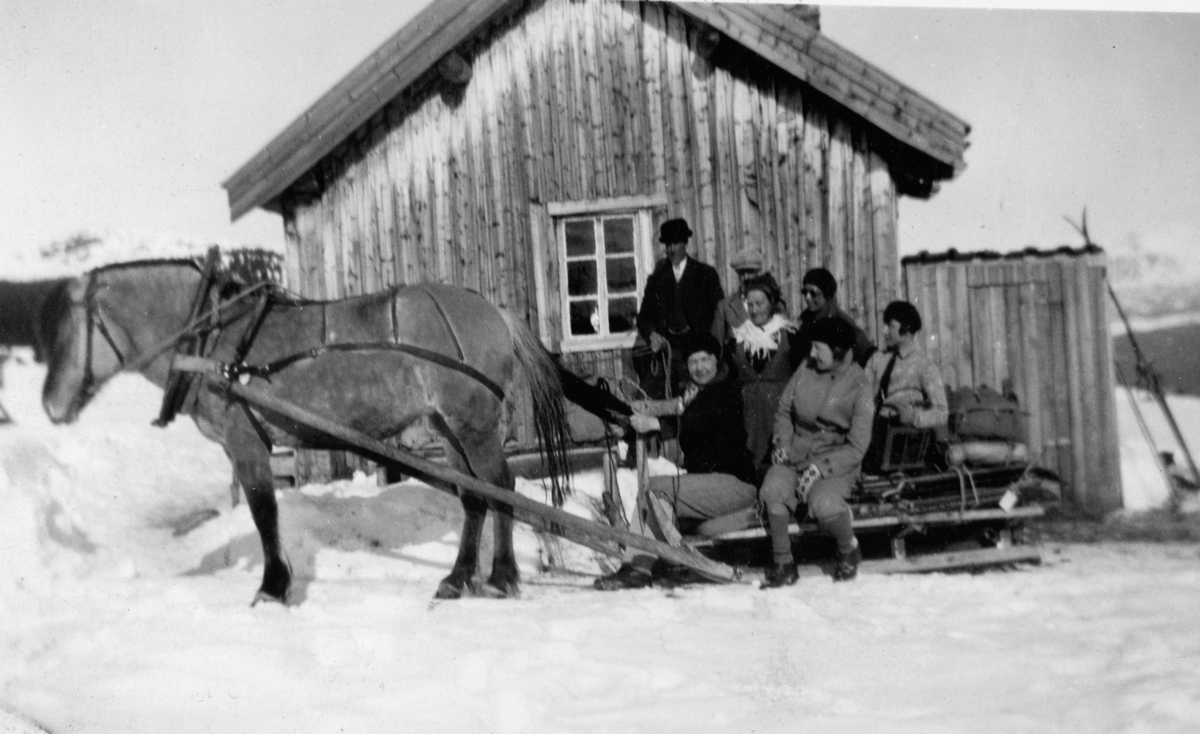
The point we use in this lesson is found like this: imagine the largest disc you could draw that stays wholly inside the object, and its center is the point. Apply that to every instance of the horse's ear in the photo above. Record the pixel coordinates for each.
(76, 289)
(228, 288)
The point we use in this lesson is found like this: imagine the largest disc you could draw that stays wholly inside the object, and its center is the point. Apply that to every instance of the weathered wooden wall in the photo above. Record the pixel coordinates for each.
(582, 100)
(1038, 323)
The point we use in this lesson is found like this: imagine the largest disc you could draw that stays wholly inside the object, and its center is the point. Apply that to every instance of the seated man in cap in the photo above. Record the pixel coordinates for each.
(681, 298)
(820, 291)
(907, 385)
(720, 474)
(731, 311)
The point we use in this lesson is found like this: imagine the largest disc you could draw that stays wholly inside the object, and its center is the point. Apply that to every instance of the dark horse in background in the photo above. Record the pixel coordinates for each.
(20, 302)
(374, 363)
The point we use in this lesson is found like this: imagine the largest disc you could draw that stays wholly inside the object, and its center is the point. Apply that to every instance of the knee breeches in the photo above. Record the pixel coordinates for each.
(826, 499)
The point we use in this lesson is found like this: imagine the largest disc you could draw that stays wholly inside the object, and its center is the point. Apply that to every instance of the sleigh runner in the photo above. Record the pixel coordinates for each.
(989, 506)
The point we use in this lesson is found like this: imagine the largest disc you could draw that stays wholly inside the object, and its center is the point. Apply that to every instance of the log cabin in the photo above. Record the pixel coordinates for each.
(529, 149)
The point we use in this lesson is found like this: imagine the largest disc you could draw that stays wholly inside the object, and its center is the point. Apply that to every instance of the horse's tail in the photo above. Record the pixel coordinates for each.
(549, 410)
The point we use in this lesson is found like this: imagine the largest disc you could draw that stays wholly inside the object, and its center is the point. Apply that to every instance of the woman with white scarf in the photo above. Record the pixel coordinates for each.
(762, 356)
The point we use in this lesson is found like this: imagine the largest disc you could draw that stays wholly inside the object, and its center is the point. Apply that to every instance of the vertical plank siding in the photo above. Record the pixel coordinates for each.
(575, 100)
(1038, 326)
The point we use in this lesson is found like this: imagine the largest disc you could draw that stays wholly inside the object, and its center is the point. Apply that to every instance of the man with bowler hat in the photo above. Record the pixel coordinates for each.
(681, 298)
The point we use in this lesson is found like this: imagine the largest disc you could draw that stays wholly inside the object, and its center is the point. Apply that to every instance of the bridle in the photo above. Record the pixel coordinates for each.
(95, 322)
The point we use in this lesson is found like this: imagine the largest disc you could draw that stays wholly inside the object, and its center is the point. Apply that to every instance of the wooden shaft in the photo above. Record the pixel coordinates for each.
(559, 522)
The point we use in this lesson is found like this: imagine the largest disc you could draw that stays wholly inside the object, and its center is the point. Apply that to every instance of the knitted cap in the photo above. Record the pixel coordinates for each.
(823, 279)
(837, 333)
(701, 341)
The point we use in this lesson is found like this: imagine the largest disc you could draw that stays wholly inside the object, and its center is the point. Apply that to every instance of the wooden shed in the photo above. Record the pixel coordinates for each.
(529, 150)
(1035, 322)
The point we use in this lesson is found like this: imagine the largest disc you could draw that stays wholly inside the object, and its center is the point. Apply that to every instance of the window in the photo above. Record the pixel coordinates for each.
(605, 252)
(601, 276)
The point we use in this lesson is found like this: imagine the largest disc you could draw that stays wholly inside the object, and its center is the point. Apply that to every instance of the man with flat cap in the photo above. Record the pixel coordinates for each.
(731, 311)
(681, 298)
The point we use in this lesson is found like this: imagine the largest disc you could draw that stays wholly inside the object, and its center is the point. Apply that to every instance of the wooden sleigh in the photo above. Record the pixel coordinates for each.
(925, 518)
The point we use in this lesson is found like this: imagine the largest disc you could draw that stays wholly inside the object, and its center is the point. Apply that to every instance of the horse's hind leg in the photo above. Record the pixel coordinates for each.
(462, 576)
(252, 466)
(506, 577)
(478, 453)
(488, 464)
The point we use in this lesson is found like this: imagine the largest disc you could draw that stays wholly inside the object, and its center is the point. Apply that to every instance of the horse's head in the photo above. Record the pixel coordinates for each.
(79, 348)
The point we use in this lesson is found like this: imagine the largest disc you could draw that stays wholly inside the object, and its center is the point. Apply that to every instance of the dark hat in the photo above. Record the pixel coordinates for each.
(674, 230)
(700, 341)
(823, 279)
(905, 314)
(837, 333)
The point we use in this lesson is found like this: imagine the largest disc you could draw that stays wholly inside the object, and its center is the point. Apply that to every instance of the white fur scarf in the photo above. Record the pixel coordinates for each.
(760, 341)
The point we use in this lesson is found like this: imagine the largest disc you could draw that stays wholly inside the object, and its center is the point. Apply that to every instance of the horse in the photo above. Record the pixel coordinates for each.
(376, 363)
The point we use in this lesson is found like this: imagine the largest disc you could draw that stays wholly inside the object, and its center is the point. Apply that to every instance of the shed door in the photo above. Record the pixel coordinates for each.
(1009, 348)
(991, 324)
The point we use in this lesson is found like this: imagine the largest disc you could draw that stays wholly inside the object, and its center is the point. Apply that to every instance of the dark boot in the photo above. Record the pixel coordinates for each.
(846, 567)
(627, 576)
(781, 574)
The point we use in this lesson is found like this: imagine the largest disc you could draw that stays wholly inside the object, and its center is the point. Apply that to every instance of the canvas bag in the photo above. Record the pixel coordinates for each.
(982, 413)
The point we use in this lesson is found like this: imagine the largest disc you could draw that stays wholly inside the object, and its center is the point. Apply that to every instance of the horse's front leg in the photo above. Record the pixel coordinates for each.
(252, 467)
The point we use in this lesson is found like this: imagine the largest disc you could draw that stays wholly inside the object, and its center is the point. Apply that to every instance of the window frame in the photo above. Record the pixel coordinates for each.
(641, 208)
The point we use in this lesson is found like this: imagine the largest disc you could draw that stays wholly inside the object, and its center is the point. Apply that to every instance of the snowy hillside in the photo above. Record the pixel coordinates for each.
(119, 613)
(1155, 284)
(85, 251)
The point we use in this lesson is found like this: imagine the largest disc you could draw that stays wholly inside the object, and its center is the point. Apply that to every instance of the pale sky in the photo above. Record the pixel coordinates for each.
(125, 115)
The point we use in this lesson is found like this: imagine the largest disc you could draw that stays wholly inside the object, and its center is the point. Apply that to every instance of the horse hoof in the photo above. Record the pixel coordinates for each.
(446, 591)
(269, 598)
(492, 591)
(451, 589)
(497, 589)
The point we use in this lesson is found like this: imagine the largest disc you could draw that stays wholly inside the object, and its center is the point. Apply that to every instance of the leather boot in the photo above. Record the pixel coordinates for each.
(781, 574)
(846, 567)
(627, 576)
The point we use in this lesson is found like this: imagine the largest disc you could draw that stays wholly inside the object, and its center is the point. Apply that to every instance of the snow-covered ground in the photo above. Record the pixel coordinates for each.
(115, 617)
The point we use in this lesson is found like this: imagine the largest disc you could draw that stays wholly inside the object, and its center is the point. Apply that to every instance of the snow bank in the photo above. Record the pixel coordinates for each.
(118, 612)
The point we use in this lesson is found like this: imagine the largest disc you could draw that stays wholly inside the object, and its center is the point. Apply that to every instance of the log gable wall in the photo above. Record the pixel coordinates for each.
(573, 101)
(576, 101)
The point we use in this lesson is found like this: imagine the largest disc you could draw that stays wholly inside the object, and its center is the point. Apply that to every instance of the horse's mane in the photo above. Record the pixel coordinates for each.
(156, 262)
(54, 308)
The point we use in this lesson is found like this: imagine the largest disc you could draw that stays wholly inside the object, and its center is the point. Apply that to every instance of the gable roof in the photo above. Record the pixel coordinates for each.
(771, 31)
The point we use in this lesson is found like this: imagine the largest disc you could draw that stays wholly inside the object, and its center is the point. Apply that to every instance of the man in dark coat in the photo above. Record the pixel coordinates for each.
(681, 298)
